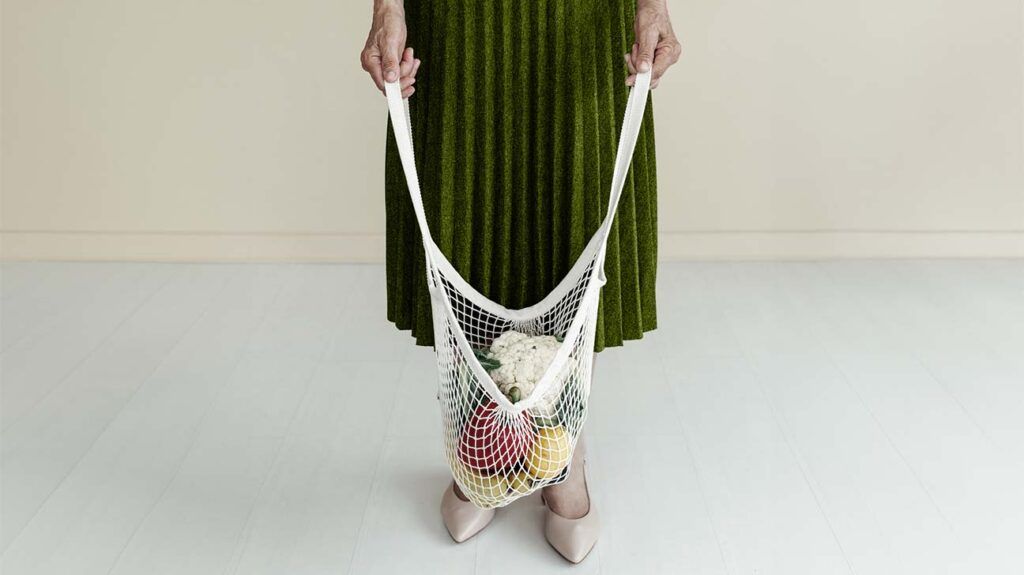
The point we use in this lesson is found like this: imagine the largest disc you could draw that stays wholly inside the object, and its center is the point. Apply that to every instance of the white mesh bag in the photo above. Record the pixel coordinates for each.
(498, 450)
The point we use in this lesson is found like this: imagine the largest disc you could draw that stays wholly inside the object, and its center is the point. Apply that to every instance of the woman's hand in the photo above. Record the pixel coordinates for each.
(656, 47)
(385, 56)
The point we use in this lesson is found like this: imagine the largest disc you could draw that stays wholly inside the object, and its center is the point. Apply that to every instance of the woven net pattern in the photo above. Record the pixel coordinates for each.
(500, 452)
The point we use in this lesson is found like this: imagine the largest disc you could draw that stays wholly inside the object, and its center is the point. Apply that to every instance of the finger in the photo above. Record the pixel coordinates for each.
(405, 68)
(373, 67)
(654, 83)
(408, 92)
(415, 67)
(634, 56)
(390, 54)
(664, 57)
(364, 59)
(648, 41)
(407, 81)
(629, 64)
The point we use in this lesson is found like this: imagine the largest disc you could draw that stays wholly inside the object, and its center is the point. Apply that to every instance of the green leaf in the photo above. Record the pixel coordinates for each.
(488, 362)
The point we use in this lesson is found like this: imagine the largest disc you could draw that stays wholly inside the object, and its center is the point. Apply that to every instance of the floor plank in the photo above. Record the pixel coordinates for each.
(43, 445)
(88, 519)
(308, 514)
(37, 364)
(765, 512)
(60, 289)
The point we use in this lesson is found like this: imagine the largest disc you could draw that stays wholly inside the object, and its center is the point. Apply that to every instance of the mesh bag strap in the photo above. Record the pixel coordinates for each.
(398, 107)
(631, 123)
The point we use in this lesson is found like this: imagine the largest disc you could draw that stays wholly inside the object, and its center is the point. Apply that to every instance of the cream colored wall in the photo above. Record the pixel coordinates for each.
(229, 129)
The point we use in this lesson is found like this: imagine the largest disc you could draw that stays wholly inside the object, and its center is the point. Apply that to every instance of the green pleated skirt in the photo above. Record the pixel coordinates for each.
(516, 119)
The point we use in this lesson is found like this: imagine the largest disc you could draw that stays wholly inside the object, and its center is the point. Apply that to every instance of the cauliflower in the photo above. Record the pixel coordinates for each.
(522, 359)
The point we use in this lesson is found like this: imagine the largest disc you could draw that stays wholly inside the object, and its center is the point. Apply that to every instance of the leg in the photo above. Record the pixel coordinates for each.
(570, 498)
(458, 492)
(571, 524)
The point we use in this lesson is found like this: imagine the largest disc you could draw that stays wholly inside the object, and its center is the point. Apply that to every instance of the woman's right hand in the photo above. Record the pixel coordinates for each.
(385, 56)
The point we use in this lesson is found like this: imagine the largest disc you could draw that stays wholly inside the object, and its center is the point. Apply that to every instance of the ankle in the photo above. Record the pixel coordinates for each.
(569, 499)
(458, 492)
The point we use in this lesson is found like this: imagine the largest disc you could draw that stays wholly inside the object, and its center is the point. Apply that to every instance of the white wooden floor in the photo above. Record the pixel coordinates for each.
(811, 418)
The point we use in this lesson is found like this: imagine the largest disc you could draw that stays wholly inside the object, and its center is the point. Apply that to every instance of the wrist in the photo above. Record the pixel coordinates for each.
(660, 4)
(388, 6)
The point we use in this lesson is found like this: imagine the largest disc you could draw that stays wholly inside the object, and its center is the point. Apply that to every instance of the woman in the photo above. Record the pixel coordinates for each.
(538, 84)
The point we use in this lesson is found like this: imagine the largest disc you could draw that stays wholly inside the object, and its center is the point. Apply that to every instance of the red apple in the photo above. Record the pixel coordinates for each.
(493, 440)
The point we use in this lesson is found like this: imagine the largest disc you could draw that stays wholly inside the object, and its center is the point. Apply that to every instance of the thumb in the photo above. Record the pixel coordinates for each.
(389, 52)
(648, 41)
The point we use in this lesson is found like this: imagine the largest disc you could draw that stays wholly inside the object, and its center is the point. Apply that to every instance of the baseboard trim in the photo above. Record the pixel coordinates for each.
(813, 245)
(186, 246)
(673, 246)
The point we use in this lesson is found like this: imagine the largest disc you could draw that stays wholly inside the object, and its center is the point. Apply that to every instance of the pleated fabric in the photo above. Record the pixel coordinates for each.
(516, 119)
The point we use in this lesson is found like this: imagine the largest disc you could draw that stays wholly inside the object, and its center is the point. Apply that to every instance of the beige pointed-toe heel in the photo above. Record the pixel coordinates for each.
(574, 539)
(462, 518)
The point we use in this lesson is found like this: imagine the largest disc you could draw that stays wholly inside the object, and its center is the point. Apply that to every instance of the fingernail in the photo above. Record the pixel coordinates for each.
(390, 76)
(644, 66)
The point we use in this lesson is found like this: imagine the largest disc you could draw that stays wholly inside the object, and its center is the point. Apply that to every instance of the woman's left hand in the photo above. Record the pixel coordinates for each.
(656, 46)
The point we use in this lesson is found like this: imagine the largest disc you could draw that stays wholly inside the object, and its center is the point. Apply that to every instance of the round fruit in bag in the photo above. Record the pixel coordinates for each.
(549, 454)
(521, 482)
(487, 487)
(482, 488)
(494, 440)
